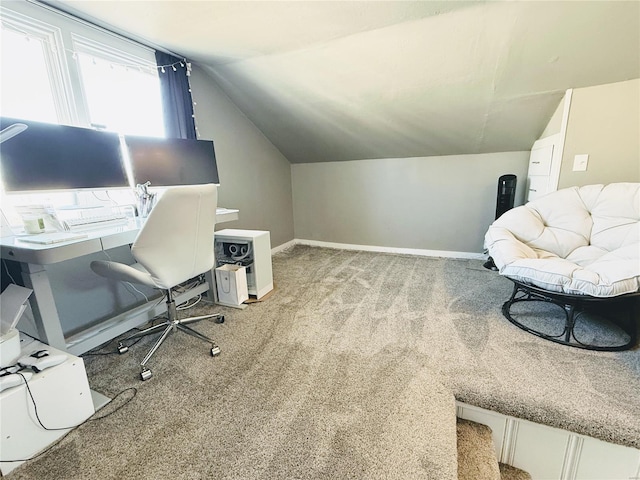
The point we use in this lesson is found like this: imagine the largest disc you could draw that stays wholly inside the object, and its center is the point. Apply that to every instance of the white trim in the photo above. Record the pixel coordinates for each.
(509, 439)
(83, 44)
(405, 251)
(556, 165)
(283, 247)
(372, 248)
(75, 16)
(572, 458)
(527, 451)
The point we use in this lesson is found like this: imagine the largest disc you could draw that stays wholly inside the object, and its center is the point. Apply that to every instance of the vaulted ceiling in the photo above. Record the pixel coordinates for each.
(342, 80)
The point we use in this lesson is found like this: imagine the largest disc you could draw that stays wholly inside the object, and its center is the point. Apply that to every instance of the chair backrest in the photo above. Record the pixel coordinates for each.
(176, 241)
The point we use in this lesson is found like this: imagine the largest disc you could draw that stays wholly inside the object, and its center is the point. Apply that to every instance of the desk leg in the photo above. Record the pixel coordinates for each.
(212, 293)
(43, 305)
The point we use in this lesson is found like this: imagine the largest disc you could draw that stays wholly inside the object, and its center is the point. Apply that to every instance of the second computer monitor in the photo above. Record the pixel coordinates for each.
(167, 162)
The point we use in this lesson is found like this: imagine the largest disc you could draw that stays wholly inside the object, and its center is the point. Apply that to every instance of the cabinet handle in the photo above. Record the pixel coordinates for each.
(535, 163)
(533, 190)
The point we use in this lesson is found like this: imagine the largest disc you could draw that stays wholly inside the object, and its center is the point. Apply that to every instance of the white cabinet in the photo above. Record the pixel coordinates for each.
(63, 400)
(546, 158)
(544, 166)
(537, 186)
(249, 248)
(540, 160)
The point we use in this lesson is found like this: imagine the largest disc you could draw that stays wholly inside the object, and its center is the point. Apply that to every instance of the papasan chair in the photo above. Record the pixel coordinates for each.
(576, 252)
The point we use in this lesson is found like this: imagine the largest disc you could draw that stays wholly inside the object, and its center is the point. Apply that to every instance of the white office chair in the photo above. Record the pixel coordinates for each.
(174, 245)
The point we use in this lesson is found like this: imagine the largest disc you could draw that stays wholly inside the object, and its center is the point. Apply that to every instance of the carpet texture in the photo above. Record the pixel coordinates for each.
(507, 472)
(347, 371)
(476, 455)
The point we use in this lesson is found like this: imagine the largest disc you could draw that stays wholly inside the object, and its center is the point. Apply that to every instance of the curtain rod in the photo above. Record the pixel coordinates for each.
(72, 14)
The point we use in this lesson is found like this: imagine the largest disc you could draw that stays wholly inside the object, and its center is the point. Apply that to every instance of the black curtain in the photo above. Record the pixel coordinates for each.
(177, 104)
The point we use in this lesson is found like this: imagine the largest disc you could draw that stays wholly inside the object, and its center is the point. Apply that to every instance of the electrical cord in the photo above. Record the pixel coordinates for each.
(4, 262)
(105, 353)
(108, 199)
(128, 284)
(133, 390)
(186, 305)
(133, 286)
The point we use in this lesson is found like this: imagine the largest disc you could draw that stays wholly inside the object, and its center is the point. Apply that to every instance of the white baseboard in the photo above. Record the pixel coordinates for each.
(283, 247)
(372, 248)
(549, 453)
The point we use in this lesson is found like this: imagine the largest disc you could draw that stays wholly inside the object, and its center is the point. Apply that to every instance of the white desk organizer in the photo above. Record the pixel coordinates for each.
(63, 398)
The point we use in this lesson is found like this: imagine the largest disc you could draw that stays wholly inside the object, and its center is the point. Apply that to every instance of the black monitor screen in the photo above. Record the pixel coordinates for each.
(44, 156)
(172, 161)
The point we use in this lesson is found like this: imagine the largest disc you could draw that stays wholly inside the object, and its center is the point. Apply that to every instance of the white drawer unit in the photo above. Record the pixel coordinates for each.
(251, 249)
(537, 186)
(544, 167)
(540, 160)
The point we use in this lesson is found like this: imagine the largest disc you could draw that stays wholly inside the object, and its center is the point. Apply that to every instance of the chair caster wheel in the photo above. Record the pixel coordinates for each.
(145, 374)
(122, 348)
(215, 351)
(220, 319)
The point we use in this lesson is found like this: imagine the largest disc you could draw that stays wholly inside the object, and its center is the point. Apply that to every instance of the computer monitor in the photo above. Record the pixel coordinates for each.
(36, 156)
(168, 162)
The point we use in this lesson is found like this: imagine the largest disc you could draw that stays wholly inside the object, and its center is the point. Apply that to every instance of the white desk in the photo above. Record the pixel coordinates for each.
(34, 258)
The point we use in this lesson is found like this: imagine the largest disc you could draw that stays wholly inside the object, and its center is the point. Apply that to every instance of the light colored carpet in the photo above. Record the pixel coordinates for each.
(476, 455)
(340, 374)
(507, 472)
(477, 459)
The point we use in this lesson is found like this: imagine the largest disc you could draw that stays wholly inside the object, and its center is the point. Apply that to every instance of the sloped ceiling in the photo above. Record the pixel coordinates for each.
(331, 81)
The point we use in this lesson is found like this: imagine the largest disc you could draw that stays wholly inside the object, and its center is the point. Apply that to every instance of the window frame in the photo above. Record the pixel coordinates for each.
(64, 33)
(83, 45)
(53, 51)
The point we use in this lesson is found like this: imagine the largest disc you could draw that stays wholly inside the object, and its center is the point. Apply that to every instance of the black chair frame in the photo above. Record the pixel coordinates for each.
(574, 306)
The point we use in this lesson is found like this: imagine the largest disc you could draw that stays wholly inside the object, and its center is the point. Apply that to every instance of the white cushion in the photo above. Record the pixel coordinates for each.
(579, 240)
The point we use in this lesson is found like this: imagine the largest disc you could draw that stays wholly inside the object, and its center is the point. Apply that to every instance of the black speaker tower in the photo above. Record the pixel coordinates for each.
(504, 201)
(506, 194)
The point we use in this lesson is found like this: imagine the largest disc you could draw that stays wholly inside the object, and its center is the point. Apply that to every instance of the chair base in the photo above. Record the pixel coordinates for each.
(170, 325)
(575, 306)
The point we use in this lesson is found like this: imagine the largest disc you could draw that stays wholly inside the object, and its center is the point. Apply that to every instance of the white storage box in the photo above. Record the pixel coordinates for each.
(231, 281)
(63, 400)
(249, 248)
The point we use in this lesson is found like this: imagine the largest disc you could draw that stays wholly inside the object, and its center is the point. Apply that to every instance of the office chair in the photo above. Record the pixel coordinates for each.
(174, 245)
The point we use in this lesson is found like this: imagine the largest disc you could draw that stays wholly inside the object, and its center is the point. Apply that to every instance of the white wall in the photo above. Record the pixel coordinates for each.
(254, 176)
(432, 203)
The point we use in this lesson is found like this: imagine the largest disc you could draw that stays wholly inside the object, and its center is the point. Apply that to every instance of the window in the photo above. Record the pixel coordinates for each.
(33, 86)
(59, 69)
(26, 90)
(56, 68)
(122, 92)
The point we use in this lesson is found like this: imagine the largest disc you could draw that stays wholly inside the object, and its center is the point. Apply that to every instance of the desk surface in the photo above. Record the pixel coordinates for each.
(12, 248)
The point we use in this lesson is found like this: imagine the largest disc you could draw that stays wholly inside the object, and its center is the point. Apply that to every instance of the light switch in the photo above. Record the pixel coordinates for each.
(580, 163)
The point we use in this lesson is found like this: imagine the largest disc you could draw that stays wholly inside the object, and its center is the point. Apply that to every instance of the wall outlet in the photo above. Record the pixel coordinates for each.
(580, 163)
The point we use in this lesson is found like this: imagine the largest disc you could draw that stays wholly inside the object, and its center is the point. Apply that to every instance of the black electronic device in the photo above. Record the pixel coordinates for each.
(506, 194)
(504, 201)
(166, 162)
(38, 156)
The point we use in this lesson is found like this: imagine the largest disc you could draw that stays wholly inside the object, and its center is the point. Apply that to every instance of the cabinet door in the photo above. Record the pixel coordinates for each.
(540, 160)
(537, 186)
